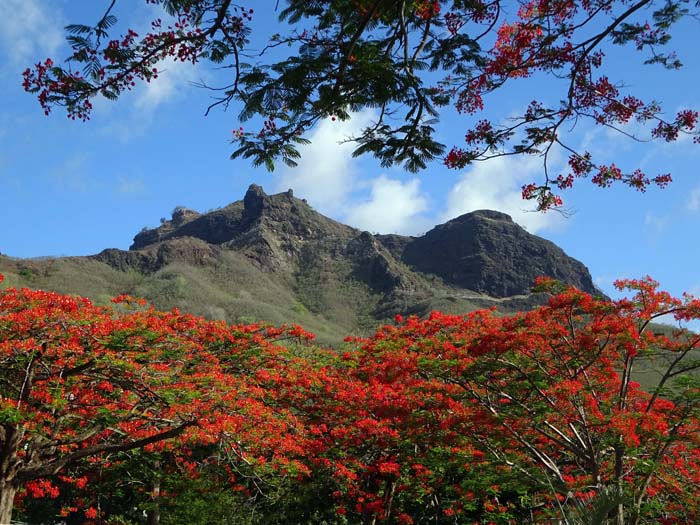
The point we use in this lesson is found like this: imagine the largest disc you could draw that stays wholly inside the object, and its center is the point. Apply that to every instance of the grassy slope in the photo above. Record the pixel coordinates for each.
(650, 367)
(324, 297)
(321, 300)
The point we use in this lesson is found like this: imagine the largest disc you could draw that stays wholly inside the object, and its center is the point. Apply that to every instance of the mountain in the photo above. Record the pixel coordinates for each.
(274, 258)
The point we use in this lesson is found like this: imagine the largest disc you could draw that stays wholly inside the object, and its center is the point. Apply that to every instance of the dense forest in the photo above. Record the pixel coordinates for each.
(127, 415)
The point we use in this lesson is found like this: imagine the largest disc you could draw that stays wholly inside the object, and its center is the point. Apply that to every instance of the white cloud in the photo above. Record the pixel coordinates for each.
(693, 201)
(393, 207)
(173, 77)
(327, 172)
(495, 185)
(332, 181)
(130, 185)
(656, 225)
(328, 177)
(30, 30)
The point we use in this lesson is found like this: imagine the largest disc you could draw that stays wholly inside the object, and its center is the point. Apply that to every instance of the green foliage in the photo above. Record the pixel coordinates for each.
(598, 510)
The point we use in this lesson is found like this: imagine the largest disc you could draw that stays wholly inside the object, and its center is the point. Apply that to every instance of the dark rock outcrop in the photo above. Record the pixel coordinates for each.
(487, 252)
(215, 227)
(243, 223)
(152, 258)
(375, 265)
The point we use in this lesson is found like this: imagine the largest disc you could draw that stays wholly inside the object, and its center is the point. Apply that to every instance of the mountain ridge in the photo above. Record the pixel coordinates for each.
(274, 258)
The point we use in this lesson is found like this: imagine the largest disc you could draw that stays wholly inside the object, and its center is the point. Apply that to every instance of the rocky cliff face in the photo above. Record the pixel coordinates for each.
(289, 217)
(487, 252)
(271, 229)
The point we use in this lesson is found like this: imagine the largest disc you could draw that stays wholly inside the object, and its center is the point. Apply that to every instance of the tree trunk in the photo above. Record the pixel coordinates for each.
(620, 514)
(7, 499)
(153, 513)
(619, 457)
(389, 498)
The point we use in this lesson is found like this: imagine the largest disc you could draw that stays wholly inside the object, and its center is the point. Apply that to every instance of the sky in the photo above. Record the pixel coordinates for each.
(72, 188)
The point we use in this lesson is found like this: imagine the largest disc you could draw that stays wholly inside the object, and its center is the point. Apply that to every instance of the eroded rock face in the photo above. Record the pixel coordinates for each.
(289, 218)
(487, 252)
(484, 253)
(375, 265)
(215, 227)
(152, 258)
(182, 215)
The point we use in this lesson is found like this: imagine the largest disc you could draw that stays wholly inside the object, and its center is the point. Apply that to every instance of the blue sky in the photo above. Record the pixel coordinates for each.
(73, 188)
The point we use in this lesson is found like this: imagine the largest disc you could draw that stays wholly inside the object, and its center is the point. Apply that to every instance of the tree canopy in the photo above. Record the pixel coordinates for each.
(580, 407)
(80, 383)
(408, 60)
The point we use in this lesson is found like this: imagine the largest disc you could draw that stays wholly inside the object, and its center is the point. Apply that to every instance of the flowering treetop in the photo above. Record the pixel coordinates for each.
(79, 382)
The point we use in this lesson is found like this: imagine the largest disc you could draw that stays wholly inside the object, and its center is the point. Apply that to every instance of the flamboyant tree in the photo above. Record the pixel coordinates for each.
(518, 419)
(450, 419)
(80, 383)
(370, 429)
(395, 444)
(550, 396)
(408, 60)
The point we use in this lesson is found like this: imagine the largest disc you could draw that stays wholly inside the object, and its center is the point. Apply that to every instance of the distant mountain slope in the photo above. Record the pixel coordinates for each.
(273, 258)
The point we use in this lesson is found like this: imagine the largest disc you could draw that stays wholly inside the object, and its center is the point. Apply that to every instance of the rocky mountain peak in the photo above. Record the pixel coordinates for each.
(287, 218)
(484, 251)
(485, 214)
(255, 202)
(181, 215)
(274, 258)
(487, 252)
(270, 228)
(279, 211)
